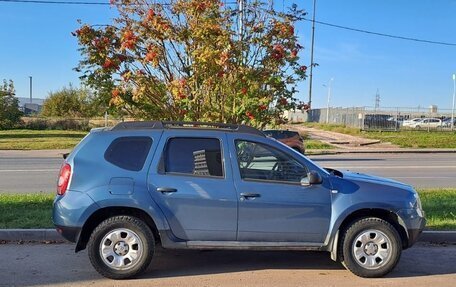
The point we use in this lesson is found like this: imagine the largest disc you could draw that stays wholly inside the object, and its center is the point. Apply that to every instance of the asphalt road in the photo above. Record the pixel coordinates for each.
(420, 169)
(58, 265)
(39, 173)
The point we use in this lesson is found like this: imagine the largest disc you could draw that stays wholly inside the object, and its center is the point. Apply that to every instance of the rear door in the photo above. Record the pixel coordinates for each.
(191, 180)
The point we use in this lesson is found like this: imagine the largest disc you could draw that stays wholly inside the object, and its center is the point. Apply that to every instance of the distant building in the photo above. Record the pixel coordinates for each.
(30, 108)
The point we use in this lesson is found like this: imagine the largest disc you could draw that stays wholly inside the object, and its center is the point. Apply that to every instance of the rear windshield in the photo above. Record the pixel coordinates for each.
(129, 153)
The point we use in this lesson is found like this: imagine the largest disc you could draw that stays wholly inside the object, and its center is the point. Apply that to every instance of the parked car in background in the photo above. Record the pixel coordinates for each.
(380, 122)
(427, 123)
(409, 123)
(291, 138)
(447, 123)
(125, 191)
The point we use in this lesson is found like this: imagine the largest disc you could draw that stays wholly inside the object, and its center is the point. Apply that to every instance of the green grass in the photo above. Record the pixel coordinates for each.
(34, 210)
(440, 208)
(403, 139)
(416, 139)
(315, 144)
(39, 139)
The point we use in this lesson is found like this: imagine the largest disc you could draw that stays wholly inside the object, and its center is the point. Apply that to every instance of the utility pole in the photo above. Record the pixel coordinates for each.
(241, 5)
(312, 54)
(31, 91)
(328, 100)
(454, 96)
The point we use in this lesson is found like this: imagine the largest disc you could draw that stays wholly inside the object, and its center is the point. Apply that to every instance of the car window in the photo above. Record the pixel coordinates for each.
(195, 156)
(128, 153)
(259, 161)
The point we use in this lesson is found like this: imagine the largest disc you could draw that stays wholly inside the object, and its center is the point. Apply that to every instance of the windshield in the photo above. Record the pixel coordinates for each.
(308, 160)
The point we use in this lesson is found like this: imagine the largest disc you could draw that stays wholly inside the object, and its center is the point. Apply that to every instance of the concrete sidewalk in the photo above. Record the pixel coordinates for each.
(53, 235)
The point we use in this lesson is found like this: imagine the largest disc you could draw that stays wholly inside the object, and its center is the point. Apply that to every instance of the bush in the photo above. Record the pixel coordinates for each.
(10, 116)
(60, 124)
(69, 102)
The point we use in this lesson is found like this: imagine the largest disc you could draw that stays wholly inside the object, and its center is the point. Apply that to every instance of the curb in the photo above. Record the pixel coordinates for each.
(30, 235)
(438, 236)
(53, 235)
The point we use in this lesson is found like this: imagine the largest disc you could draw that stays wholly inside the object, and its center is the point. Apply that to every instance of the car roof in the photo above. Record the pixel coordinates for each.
(166, 125)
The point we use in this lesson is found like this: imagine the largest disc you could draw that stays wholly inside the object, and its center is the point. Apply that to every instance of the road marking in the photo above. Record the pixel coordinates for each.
(27, 170)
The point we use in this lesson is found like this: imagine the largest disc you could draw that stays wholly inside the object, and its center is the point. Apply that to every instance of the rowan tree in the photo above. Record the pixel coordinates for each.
(191, 60)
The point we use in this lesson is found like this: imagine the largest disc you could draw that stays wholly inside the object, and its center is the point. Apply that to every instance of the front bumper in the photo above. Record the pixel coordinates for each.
(414, 233)
(414, 222)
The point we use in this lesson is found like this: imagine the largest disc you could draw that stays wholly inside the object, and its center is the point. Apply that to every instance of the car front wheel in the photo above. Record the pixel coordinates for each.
(121, 247)
(371, 247)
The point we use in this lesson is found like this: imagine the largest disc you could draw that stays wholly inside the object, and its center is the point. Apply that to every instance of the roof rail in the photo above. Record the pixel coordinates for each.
(136, 125)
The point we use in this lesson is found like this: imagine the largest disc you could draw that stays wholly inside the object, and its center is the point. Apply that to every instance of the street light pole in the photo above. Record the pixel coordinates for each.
(329, 98)
(454, 96)
(31, 89)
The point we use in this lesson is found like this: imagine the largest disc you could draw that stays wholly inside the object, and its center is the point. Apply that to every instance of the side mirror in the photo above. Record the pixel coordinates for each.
(313, 177)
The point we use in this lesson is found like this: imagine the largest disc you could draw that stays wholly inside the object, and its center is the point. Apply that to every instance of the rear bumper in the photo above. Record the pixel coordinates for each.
(69, 233)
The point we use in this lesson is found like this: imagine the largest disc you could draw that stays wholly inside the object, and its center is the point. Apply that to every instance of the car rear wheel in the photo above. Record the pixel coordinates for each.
(121, 247)
(371, 247)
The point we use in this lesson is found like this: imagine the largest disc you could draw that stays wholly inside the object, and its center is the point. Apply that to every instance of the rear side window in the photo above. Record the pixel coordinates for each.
(195, 156)
(129, 153)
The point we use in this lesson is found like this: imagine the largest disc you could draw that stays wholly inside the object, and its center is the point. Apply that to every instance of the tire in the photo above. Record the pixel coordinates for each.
(370, 247)
(121, 247)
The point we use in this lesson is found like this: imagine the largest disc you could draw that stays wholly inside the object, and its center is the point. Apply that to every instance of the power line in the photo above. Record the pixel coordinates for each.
(382, 34)
(74, 2)
(309, 20)
(56, 2)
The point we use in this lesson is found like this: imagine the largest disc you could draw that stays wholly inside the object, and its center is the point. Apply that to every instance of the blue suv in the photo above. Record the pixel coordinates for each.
(125, 190)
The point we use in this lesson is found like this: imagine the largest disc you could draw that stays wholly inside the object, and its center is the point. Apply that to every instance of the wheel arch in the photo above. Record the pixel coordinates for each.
(104, 213)
(384, 214)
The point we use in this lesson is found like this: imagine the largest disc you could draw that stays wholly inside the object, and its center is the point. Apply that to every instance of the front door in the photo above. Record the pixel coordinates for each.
(273, 204)
(192, 183)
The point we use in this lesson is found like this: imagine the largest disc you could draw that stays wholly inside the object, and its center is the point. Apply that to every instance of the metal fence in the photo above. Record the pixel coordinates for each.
(382, 119)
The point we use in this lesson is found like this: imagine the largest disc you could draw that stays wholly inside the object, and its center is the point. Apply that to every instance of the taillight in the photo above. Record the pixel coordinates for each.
(64, 179)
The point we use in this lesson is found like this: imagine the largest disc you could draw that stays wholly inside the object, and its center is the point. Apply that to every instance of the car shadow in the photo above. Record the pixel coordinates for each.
(174, 263)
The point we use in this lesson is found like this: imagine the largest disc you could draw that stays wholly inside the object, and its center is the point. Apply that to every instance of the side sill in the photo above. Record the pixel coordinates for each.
(253, 245)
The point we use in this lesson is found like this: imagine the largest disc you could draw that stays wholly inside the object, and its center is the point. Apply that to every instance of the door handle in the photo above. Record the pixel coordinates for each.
(166, 189)
(249, 195)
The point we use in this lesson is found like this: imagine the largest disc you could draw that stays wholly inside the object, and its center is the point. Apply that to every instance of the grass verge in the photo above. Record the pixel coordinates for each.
(34, 210)
(39, 139)
(416, 139)
(403, 139)
(440, 208)
(315, 144)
